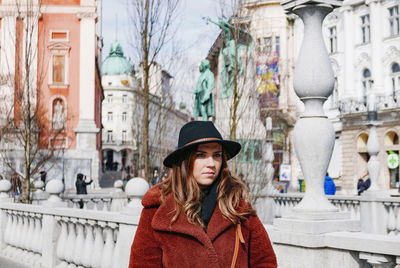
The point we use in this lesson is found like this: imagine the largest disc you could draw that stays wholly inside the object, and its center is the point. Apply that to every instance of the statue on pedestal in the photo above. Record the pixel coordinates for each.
(203, 103)
(58, 115)
(231, 57)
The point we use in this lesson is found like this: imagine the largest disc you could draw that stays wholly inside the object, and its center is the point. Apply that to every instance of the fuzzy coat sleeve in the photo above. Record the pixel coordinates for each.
(145, 250)
(261, 253)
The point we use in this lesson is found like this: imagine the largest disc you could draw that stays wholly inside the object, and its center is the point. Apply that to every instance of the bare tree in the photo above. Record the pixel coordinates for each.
(240, 108)
(26, 129)
(153, 28)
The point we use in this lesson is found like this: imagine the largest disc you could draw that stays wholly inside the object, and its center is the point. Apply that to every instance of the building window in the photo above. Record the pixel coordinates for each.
(59, 36)
(58, 67)
(267, 46)
(109, 135)
(277, 44)
(365, 29)
(395, 79)
(332, 39)
(366, 84)
(394, 20)
(109, 98)
(124, 98)
(124, 136)
(251, 152)
(124, 117)
(109, 116)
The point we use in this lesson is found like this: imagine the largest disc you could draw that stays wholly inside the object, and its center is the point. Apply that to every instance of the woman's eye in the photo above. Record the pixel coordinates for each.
(199, 155)
(218, 155)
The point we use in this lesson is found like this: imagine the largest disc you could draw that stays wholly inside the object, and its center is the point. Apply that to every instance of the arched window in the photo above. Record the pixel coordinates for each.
(366, 84)
(395, 75)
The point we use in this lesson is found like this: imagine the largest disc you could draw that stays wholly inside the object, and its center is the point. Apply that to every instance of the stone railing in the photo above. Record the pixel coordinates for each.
(377, 215)
(114, 200)
(53, 235)
(41, 236)
(353, 105)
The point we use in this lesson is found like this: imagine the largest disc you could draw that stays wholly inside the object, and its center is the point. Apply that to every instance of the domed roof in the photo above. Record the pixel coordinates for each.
(116, 63)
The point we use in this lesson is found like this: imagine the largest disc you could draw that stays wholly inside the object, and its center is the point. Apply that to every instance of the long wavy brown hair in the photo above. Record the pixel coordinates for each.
(187, 193)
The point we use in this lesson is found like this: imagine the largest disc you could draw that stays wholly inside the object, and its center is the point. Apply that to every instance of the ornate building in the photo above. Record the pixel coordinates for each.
(52, 48)
(264, 84)
(123, 111)
(363, 40)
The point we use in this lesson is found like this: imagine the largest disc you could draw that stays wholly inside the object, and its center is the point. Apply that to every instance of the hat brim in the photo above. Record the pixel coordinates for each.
(231, 148)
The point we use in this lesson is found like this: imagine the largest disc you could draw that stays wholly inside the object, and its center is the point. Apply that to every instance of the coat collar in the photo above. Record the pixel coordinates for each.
(163, 217)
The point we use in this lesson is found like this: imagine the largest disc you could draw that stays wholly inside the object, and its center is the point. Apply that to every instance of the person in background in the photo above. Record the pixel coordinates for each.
(200, 215)
(329, 185)
(81, 186)
(363, 185)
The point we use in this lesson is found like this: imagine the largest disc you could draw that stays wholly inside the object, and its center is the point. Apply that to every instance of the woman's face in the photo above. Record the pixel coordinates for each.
(207, 163)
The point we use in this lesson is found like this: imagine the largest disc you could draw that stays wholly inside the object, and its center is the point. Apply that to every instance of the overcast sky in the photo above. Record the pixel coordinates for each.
(195, 35)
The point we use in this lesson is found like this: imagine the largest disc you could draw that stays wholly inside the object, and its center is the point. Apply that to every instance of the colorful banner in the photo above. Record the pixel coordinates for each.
(268, 86)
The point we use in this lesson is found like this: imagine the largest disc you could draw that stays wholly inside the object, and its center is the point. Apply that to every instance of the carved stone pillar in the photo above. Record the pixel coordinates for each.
(314, 135)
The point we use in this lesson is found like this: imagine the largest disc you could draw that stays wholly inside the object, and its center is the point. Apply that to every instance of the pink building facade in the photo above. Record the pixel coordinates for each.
(65, 47)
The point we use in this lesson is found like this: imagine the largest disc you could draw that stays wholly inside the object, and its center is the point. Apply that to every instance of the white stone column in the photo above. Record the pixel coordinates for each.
(348, 38)
(86, 129)
(376, 44)
(314, 135)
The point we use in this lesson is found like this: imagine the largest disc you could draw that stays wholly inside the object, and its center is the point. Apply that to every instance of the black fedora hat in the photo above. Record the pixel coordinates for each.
(199, 132)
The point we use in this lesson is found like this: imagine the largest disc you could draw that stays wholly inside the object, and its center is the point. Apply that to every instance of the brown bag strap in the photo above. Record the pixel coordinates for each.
(238, 238)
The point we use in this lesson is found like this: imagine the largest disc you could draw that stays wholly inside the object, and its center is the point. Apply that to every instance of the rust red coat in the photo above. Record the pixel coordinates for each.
(157, 243)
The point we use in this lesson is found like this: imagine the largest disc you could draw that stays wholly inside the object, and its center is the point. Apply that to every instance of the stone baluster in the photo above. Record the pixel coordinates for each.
(30, 233)
(391, 219)
(105, 203)
(313, 83)
(398, 218)
(13, 232)
(62, 241)
(116, 258)
(70, 245)
(89, 244)
(38, 232)
(98, 245)
(75, 202)
(8, 232)
(96, 202)
(18, 229)
(277, 207)
(79, 242)
(108, 251)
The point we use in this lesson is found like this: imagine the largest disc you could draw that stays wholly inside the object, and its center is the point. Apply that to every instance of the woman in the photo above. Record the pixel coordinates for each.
(200, 216)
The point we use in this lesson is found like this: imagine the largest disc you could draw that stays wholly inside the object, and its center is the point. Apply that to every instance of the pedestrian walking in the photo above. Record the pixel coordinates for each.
(329, 185)
(200, 215)
(16, 185)
(81, 186)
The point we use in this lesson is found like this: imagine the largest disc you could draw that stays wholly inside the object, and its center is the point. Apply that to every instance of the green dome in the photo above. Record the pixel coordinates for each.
(116, 63)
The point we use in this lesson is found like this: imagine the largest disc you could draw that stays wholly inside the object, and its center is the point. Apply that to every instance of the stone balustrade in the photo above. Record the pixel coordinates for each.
(354, 105)
(377, 215)
(41, 236)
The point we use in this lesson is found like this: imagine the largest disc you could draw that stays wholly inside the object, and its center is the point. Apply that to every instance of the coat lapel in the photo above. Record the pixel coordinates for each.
(218, 224)
(162, 222)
